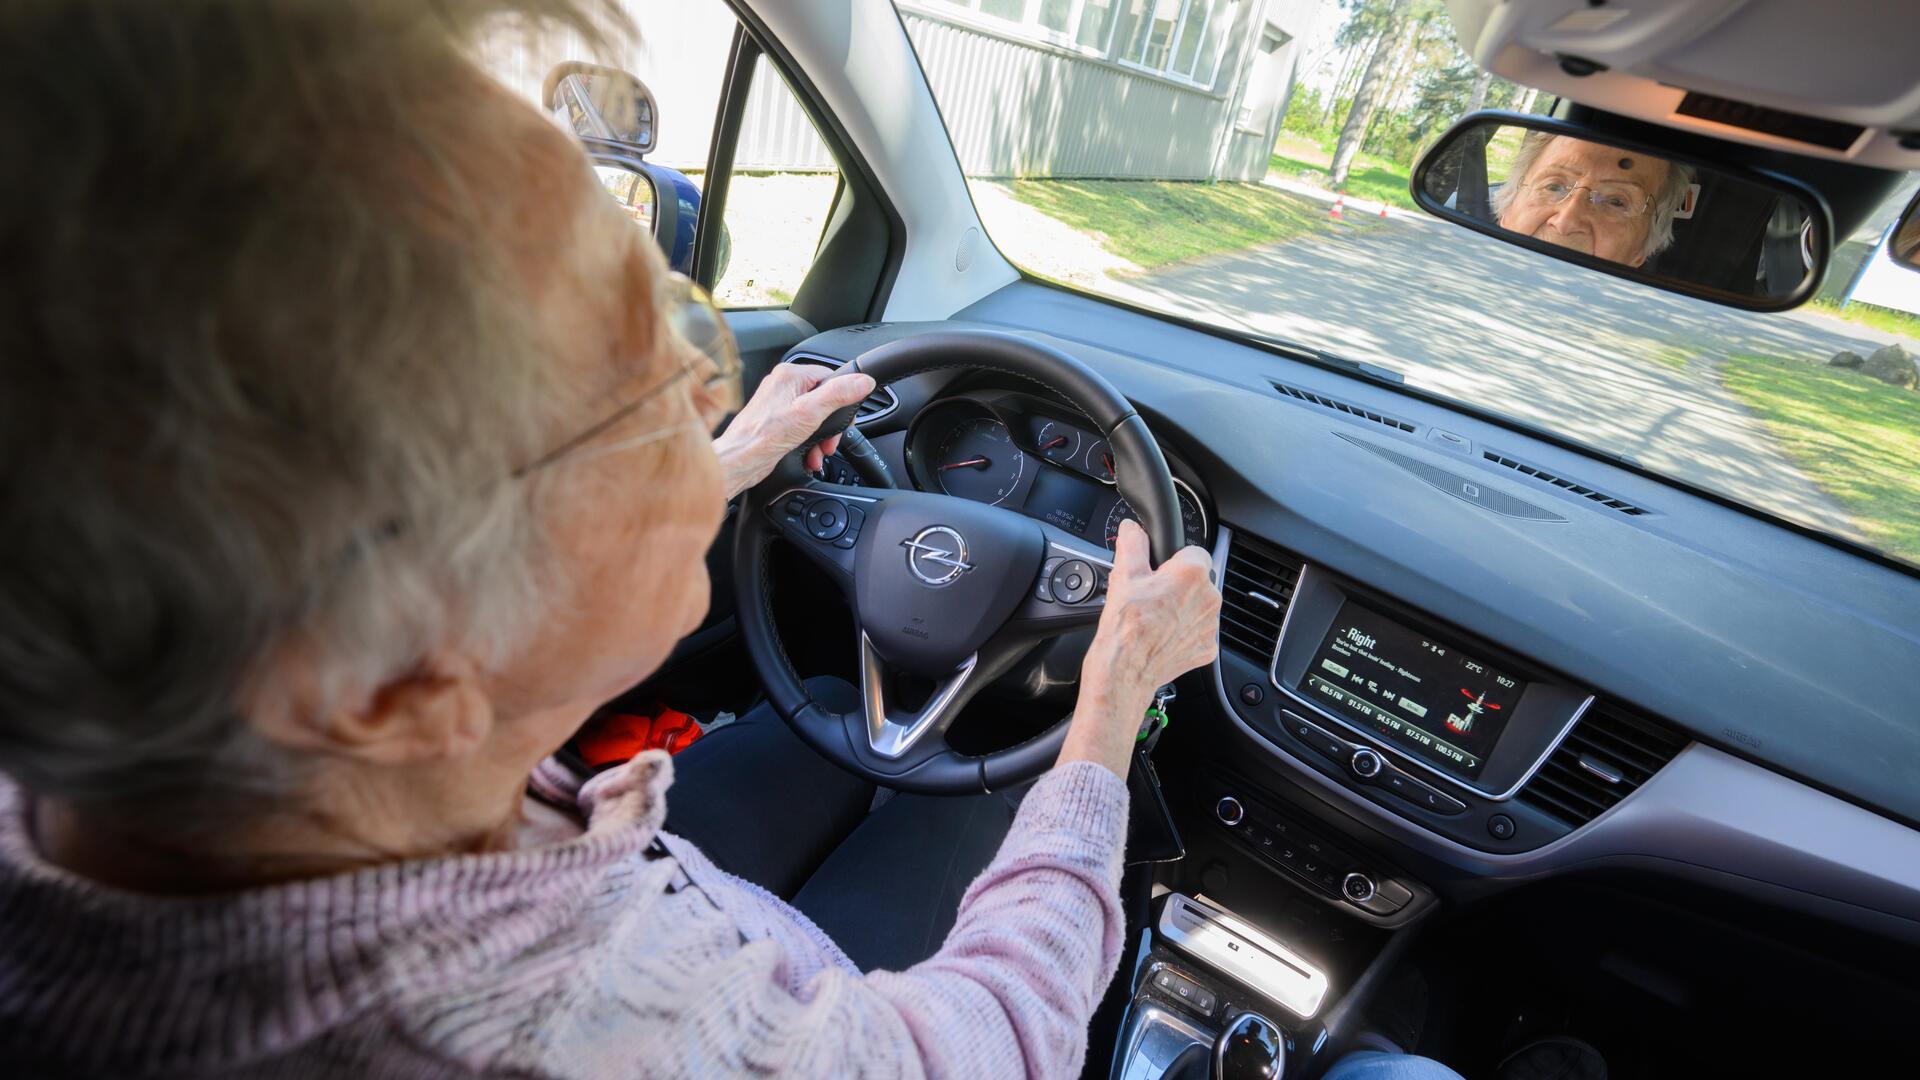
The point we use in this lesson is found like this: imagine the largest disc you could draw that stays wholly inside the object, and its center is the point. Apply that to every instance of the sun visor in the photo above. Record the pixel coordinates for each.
(1835, 79)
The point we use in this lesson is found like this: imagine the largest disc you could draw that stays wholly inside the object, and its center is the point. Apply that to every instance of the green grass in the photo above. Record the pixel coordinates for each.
(1857, 437)
(1673, 356)
(1371, 179)
(1152, 223)
(1893, 322)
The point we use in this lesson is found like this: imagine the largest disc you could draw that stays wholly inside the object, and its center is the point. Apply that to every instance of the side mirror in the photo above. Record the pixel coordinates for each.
(1736, 237)
(660, 200)
(597, 102)
(1903, 247)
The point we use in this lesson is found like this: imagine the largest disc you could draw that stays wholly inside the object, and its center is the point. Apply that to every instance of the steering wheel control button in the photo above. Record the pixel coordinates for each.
(827, 519)
(855, 518)
(1500, 827)
(1419, 794)
(1366, 764)
(1357, 887)
(1044, 589)
(1073, 581)
(796, 507)
(1229, 810)
(1251, 694)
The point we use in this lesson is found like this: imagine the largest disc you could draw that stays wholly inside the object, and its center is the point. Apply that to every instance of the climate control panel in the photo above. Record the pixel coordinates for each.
(1307, 854)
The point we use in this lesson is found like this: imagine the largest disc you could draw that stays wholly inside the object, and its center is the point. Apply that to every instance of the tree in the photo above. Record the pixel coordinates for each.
(1477, 100)
(1367, 97)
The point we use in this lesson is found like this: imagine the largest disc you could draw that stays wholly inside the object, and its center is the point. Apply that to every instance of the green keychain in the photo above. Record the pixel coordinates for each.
(1155, 712)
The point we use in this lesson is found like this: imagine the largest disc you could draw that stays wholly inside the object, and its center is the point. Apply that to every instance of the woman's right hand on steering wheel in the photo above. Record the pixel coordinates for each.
(1157, 625)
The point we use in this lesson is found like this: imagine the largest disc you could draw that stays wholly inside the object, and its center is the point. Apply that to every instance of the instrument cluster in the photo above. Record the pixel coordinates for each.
(1036, 457)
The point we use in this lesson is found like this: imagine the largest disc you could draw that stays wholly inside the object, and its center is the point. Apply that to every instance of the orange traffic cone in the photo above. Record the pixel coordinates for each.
(1339, 202)
(1383, 211)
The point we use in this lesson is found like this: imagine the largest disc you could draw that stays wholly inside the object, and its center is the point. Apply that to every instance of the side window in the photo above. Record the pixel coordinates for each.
(653, 158)
(782, 188)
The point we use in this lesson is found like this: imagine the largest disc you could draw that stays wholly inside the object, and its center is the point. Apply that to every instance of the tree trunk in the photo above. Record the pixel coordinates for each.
(1478, 99)
(1372, 83)
(1351, 64)
(1526, 101)
(1402, 73)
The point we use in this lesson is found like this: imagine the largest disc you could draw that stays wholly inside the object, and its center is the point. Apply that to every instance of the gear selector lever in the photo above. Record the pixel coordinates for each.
(1251, 1048)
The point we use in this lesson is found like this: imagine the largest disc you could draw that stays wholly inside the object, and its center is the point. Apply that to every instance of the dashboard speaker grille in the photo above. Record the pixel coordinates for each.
(1607, 755)
(1562, 483)
(1339, 406)
(878, 404)
(1254, 597)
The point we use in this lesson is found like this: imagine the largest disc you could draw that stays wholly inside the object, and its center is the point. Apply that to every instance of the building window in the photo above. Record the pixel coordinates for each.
(1179, 38)
(1081, 24)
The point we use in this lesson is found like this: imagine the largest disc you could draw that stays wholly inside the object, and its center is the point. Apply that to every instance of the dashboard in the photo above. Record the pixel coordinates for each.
(1025, 453)
(1444, 638)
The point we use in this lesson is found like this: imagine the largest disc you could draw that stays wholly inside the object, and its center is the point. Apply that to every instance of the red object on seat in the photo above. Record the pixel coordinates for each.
(611, 738)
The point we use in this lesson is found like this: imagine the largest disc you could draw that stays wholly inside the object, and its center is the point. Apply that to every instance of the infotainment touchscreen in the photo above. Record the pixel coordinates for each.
(1431, 699)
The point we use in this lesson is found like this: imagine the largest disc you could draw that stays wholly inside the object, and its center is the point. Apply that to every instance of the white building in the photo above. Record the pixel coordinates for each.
(1137, 89)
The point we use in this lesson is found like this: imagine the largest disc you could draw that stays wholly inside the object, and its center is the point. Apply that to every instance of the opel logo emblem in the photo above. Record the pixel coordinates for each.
(937, 555)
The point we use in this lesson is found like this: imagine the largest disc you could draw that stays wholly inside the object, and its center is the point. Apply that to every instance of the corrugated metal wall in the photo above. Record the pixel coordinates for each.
(776, 134)
(1016, 110)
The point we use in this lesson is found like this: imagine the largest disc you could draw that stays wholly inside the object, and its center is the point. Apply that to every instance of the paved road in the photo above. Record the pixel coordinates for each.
(1565, 348)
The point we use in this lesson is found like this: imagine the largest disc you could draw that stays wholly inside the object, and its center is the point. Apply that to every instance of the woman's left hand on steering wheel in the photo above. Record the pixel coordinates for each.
(790, 404)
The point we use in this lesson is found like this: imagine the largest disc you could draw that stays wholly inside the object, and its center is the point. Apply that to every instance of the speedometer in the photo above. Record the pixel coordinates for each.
(979, 461)
(1193, 517)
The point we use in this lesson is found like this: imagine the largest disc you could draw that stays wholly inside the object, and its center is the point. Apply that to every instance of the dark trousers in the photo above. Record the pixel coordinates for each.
(884, 885)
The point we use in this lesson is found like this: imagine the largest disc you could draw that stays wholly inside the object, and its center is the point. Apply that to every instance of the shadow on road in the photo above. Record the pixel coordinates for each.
(1574, 351)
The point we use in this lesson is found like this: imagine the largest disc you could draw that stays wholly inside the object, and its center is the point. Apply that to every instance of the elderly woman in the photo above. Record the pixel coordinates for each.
(351, 459)
(1593, 198)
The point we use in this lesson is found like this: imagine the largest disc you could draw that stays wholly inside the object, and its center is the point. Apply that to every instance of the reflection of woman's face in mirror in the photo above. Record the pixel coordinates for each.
(1906, 242)
(1588, 197)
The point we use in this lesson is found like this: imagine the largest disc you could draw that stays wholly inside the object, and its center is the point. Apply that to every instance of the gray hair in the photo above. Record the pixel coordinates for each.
(267, 358)
(1666, 201)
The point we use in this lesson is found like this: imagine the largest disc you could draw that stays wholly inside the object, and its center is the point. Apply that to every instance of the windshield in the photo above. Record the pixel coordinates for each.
(1246, 165)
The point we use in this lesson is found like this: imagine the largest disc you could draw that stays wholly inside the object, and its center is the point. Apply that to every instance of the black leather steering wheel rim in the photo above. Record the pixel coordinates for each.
(927, 765)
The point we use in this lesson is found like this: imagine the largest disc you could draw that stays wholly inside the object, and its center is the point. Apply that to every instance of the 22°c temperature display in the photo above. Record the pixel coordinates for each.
(1426, 696)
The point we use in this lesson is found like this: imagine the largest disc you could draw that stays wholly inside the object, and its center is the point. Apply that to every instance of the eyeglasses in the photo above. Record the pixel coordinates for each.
(699, 331)
(1609, 200)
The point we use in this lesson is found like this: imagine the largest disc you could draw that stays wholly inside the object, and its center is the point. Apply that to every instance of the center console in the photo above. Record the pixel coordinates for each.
(1401, 710)
(1216, 996)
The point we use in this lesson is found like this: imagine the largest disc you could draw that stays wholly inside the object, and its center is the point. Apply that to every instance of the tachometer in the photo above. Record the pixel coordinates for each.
(1193, 517)
(1057, 442)
(979, 461)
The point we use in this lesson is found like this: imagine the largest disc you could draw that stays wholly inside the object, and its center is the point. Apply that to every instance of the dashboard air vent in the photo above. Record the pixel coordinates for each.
(1254, 597)
(1325, 402)
(1607, 755)
(1563, 484)
(878, 404)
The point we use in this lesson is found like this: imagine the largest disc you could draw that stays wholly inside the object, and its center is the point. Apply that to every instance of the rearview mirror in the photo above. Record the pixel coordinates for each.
(1903, 247)
(603, 103)
(1736, 237)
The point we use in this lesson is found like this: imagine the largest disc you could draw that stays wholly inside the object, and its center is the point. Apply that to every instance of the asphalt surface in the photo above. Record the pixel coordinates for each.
(1568, 349)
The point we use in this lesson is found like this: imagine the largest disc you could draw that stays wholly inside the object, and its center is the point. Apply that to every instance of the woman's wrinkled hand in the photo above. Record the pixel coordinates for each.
(1157, 625)
(790, 404)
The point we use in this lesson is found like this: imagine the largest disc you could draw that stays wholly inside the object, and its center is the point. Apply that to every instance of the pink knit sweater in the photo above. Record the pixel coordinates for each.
(623, 952)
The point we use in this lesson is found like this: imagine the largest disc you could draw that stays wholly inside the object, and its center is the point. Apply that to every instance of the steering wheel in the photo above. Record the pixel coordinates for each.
(941, 587)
